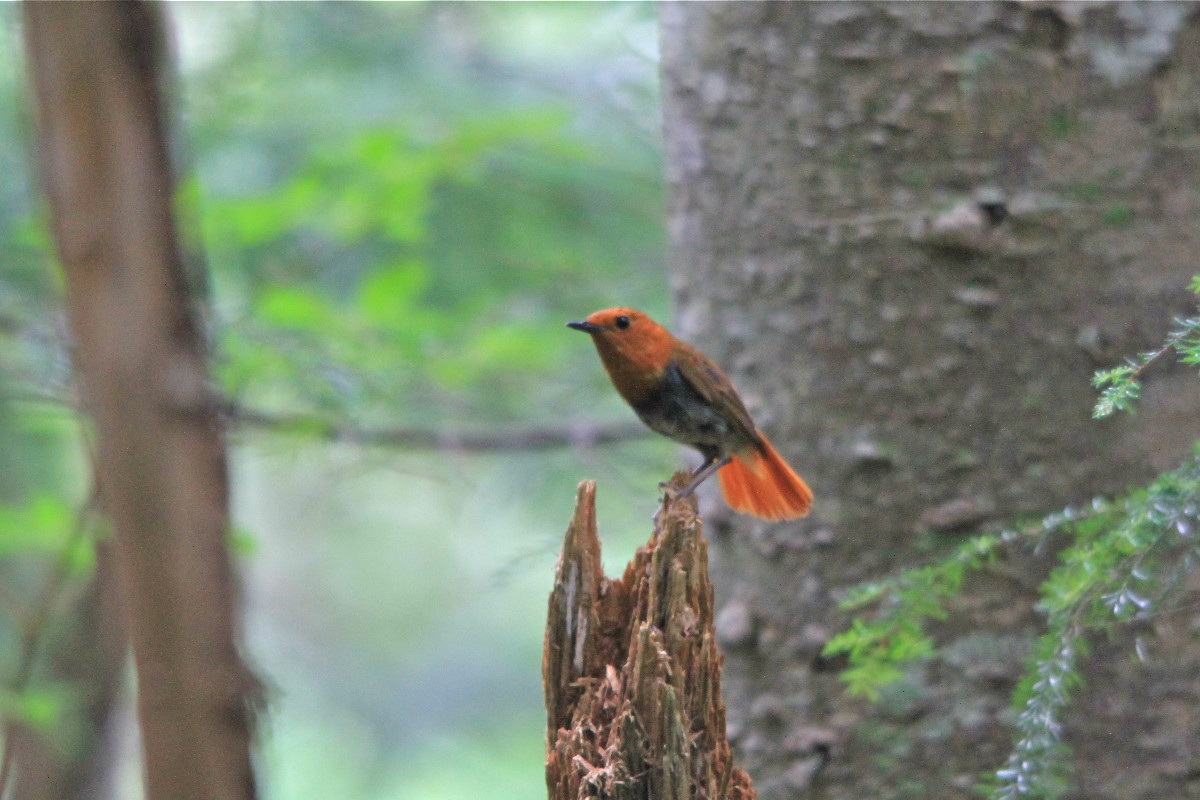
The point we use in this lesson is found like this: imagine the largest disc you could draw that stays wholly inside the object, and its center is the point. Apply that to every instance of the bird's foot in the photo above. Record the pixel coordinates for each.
(670, 493)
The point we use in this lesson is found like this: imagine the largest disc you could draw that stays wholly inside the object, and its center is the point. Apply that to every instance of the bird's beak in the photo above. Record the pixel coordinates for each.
(585, 326)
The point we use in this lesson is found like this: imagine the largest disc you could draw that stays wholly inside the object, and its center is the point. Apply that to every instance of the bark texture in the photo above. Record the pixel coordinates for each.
(632, 671)
(910, 232)
(162, 472)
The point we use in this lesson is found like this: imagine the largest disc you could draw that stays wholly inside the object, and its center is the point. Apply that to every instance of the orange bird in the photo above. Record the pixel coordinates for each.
(679, 392)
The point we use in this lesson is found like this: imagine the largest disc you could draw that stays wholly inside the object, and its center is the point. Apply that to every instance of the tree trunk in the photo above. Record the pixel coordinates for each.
(632, 671)
(910, 232)
(163, 483)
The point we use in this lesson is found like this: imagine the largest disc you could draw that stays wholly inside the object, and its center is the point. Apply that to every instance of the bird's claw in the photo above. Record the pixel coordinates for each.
(670, 495)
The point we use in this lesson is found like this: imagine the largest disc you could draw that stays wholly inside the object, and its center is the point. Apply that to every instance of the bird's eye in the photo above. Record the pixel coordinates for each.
(622, 322)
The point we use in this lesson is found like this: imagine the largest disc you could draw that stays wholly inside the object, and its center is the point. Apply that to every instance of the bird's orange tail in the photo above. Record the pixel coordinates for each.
(761, 483)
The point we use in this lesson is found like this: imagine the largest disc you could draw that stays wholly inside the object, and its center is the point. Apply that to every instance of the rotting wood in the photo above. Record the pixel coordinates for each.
(632, 671)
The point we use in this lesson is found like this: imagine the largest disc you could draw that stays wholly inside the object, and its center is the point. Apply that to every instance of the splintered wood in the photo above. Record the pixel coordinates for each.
(631, 669)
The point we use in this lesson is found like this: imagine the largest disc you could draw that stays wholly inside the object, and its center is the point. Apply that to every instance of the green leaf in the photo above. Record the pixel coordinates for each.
(242, 542)
(42, 525)
(387, 293)
(295, 308)
(1120, 390)
(41, 708)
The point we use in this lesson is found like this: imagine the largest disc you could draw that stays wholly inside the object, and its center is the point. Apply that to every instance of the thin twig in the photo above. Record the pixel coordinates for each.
(35, 626)
(1159, 353)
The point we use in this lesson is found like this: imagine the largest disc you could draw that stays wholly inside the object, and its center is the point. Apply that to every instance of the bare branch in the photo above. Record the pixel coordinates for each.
(576, 434)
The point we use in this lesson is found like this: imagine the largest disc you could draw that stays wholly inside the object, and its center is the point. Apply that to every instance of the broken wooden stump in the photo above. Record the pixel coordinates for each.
(631, 668)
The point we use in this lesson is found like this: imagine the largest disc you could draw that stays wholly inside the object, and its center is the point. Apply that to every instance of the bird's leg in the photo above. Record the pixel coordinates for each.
(701, 474)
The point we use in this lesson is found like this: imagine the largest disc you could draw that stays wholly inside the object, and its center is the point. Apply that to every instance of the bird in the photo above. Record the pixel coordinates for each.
(679, 392)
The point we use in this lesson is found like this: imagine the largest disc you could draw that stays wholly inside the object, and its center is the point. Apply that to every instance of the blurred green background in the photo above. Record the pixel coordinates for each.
(392, 209)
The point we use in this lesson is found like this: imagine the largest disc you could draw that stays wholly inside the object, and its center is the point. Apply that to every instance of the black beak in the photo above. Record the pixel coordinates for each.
(585, 326)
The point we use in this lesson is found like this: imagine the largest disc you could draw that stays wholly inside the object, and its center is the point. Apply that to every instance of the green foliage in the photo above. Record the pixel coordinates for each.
(1118, 214)
(878, 648)
(45, 527)
(397, 239)
(46, 534)
(1120, 389)
(1037, 766)
(398, 205)
(41, 709)
(1127, 560)
(369, 297)
(41, 524)
(1120, 386)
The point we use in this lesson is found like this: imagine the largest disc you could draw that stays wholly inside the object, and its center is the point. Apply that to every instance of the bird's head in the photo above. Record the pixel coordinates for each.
(630, 343)
(627, 322)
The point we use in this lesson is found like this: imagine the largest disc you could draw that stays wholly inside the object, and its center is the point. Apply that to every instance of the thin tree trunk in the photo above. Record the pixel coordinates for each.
(910, 232)
(163, 483)
(88, 654)
(632, 670)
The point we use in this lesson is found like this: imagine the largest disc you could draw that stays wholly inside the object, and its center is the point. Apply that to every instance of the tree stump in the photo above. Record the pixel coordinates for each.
(632, 671)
